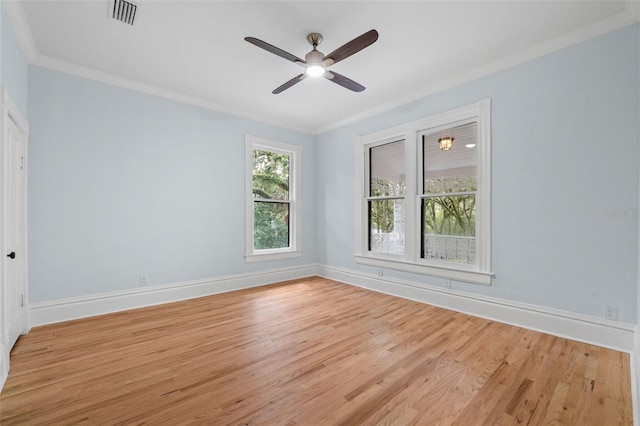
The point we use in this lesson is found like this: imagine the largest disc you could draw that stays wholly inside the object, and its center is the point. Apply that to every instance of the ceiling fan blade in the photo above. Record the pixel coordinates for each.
(354, 46)
(275, 50)
(343, 81)
(288, 84)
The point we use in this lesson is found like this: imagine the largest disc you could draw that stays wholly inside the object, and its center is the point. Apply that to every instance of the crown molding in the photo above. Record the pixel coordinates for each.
(112, 79)
(18, 18)
(629, 16)
(21, 26)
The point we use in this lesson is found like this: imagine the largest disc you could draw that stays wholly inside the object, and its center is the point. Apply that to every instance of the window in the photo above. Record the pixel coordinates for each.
(448, 195)
(387, 190)
(272, 200)
(425, 209)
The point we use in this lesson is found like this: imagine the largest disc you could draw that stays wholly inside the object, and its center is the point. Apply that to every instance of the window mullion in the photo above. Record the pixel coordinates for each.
(411, 221)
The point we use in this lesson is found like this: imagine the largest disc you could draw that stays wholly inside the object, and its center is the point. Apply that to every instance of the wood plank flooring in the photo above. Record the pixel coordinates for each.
(309, 352)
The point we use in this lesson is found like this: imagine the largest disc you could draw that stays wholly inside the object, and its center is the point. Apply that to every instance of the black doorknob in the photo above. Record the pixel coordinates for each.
(12, 255)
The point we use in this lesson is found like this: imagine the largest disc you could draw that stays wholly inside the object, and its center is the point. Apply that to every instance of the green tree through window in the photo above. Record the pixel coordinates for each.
(271, 177)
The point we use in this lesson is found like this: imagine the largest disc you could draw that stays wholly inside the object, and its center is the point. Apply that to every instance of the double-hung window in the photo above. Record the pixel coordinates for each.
(385, 198)
(273, 170)
(448, 191)
(425, 196)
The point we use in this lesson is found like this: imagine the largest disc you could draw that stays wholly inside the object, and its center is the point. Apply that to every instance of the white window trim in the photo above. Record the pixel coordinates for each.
(411, 261)
(295, 153)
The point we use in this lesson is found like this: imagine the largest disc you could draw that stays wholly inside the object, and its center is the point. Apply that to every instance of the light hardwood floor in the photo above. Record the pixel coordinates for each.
(310, 352)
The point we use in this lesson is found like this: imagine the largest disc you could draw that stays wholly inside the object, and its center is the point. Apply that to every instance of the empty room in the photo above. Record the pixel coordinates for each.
(319, 212)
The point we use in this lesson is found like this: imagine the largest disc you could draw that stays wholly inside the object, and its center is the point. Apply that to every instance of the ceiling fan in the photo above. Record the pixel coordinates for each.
(316, 63)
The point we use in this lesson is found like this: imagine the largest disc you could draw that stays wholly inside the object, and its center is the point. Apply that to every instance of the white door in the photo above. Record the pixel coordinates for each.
(14, 259)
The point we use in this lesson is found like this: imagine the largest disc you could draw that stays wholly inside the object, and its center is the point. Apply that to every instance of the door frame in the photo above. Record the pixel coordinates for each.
(9, 111)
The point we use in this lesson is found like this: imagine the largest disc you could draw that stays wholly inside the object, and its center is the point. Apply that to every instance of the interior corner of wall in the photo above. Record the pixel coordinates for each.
(4, 366)
(634, 362)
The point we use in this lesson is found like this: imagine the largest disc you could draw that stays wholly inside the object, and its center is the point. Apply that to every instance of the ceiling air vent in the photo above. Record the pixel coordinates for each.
(123, 11)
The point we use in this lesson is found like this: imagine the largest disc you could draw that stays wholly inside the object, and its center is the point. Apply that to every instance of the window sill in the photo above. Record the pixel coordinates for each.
(266, 257)
(475, 277)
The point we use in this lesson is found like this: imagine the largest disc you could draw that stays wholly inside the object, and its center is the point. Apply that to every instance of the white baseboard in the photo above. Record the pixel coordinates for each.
(634, 360)
(582, 328)
(610, 334)
(4, 366)
(614, 335)
(54, 311)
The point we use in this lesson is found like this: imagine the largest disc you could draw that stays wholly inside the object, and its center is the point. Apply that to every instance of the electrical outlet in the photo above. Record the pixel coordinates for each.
(144, 280)
(380, 272)
(447, 283)
(609, 312)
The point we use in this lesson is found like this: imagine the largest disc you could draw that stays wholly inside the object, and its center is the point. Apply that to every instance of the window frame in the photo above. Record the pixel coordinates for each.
(367, 191)
(411, 133)
(295, 153)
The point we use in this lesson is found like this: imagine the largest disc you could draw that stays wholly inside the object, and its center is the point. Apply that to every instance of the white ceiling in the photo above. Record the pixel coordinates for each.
(194, 51)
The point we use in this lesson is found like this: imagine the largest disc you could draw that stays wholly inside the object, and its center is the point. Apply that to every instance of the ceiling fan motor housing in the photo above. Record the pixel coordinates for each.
(314, 57)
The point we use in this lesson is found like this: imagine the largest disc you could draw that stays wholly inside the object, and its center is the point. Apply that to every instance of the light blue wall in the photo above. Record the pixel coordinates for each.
(565, 150)
(2, 13)
(122, 184)
(638, 288)
(14, 71)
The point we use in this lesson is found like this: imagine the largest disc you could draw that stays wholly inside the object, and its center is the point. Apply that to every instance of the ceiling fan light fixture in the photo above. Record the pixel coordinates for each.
(316, 63)
(315, 70)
